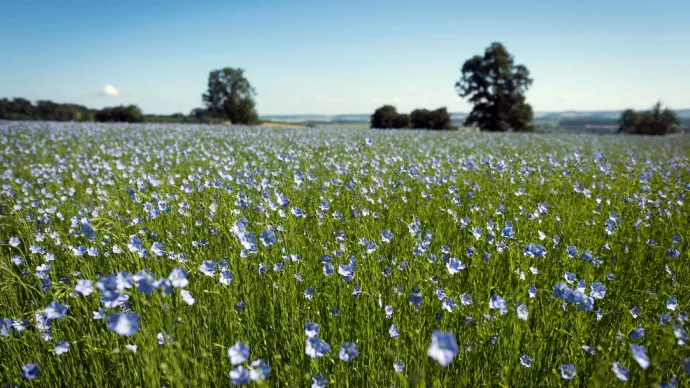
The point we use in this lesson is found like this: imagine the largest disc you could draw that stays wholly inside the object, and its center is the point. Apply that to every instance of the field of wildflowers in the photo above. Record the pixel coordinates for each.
(154, 255)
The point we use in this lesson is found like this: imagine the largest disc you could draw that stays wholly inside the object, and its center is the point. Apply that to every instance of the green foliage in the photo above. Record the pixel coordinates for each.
(402, 120)
(496, 87)
(388, 117)
(627, 122)
(230, 94)
(656, 121)
(127, 114)
(435, 119)
(23, 109)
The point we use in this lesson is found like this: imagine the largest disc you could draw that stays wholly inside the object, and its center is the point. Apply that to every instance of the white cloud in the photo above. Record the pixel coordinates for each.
(412, 88)
(110, 90)
(396, 100)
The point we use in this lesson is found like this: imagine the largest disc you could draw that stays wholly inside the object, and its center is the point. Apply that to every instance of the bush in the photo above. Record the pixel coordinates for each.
(436, 119)
(127, 114)
(388, 117)
(652, 122)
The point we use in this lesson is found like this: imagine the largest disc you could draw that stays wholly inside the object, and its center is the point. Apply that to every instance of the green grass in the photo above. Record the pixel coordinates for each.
(280, 124)
(109, 159)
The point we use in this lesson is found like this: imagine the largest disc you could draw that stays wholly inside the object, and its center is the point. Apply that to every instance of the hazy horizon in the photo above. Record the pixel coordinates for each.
(327, 59)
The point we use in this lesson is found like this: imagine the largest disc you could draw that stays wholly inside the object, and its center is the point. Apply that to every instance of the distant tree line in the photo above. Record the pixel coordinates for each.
(387, 116)
(23, 109)
(45, 110)
(656, 121)
(229, 98)
(492, 83)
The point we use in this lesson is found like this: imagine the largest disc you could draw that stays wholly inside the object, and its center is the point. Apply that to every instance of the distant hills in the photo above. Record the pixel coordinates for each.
(456, 117)
(602, 114)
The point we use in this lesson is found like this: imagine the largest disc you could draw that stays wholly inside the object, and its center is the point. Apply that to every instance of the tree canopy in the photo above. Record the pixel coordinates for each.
(496, 87)
(127, 114)
(656, 121)
(388, 117)
(23, 109)
(434, 119)
(230, 95)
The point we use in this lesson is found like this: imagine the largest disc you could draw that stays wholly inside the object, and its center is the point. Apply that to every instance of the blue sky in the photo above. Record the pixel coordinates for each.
(327, 57)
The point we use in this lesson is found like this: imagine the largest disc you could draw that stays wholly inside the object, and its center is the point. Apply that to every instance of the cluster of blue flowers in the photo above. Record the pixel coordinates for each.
(443, 238)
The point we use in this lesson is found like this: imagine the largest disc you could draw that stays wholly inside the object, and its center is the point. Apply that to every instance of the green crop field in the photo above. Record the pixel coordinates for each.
(173, 255)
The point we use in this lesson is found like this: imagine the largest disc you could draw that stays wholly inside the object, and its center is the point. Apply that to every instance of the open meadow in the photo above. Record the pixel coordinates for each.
(171, 255)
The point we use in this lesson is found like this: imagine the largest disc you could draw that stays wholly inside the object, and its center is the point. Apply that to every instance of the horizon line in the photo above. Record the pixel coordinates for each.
(454, 112)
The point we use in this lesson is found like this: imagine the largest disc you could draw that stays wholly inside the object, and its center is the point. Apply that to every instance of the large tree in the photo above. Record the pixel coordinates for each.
(230, 95)
(496, 87)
